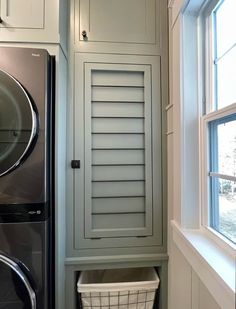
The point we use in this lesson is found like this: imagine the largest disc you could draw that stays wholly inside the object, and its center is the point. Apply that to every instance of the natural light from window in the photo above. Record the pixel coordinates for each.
(222, 129)
(227, 188)
(224, 22)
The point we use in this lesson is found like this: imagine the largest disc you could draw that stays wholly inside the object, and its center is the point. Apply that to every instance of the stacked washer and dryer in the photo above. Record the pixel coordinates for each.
(26, 179)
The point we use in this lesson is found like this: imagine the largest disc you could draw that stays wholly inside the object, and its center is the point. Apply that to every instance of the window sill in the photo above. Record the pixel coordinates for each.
(214, 266)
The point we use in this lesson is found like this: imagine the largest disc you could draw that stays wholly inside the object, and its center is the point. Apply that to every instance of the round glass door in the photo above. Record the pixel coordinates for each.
(16, 290)
(18, 123)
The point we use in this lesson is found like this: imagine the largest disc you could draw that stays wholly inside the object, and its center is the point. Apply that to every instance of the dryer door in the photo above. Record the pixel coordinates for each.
(18, 123)
(16, 290)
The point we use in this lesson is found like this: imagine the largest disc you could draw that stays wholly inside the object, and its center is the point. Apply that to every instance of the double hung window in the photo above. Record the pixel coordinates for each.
(219, 121)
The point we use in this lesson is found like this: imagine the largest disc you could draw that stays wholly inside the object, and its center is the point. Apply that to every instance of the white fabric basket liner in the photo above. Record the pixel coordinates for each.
(116, 280)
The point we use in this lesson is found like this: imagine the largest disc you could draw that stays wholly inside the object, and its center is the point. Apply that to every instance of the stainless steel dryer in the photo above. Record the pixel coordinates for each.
(26, 178)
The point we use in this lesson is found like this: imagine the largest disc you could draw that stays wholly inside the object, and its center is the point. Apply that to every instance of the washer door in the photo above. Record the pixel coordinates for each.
(18, 123)
(16, 289)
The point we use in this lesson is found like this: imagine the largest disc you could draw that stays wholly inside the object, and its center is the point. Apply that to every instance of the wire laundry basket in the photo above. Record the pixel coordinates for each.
(118, 289)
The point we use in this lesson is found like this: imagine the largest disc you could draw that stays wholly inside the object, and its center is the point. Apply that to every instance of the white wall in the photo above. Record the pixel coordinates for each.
(186, 289)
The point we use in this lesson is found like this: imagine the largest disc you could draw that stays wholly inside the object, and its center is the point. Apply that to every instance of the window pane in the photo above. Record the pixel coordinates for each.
(227, 148)
(226, 79)
(225, 26)
(227, 209)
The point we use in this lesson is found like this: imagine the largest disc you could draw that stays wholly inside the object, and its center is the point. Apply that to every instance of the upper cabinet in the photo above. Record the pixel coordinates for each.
(118, 26)
(22, 14)
(117, 21)
(33, 21)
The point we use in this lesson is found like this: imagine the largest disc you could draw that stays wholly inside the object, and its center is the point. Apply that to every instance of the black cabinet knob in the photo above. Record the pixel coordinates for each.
(1, 21)
(75, 163)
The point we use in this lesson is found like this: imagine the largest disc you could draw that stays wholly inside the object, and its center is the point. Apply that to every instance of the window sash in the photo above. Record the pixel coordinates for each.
(213, 175)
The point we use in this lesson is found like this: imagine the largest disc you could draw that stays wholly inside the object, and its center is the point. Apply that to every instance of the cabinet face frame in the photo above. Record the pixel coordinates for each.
(149, 43)
(156, 239)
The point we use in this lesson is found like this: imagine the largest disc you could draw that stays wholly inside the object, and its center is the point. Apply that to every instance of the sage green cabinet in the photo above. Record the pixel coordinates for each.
(118, 21)
(116, 200)
(117, 192)
(22, 14)
(34, 21)
(120, 26)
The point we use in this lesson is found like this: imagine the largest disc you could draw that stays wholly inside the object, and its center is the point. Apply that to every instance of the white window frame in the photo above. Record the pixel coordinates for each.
(210, 115)
(207, 252)
(208, 58)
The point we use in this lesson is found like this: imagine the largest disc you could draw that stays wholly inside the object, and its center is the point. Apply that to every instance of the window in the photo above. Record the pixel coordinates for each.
(222, 159)
(219, 121)
(224, 53)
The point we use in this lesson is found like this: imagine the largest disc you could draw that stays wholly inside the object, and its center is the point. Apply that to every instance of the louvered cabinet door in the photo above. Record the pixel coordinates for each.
(117, 161)
(118, 190)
